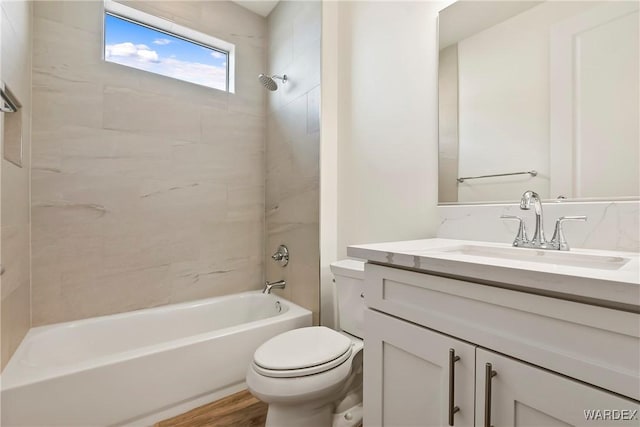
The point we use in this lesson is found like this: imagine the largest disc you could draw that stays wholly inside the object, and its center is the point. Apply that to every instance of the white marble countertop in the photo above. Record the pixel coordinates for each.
(617, 286)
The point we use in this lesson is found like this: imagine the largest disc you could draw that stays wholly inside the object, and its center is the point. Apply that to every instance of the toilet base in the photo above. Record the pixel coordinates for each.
(351, 417)
(309, 415)
(346, 413)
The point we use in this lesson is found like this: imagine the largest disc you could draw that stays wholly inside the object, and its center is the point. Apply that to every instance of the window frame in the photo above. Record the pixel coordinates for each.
(172, 29)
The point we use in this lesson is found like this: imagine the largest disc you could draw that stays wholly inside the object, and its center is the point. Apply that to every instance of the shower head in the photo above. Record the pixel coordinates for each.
(269, 82)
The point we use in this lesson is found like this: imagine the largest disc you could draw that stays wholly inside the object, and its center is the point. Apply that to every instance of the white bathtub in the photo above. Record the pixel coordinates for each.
(140, 367)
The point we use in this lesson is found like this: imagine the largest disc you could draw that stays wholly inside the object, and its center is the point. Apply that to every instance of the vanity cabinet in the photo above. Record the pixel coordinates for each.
(410, 372)
(553, 358)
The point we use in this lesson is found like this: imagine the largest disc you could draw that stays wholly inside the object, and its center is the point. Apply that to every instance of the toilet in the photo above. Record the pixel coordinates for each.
(313, 376)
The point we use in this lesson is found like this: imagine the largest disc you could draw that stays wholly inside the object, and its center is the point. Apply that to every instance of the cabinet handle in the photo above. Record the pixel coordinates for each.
(452, 380)
(488, 374)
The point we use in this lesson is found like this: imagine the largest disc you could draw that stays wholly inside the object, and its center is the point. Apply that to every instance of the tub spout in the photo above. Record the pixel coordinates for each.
(280, 284)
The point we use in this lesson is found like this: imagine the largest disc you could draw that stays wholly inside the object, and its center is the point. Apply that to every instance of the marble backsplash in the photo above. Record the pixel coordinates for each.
(610, 225)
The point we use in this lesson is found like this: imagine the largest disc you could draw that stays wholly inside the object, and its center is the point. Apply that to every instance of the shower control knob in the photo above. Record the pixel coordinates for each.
(281, 256)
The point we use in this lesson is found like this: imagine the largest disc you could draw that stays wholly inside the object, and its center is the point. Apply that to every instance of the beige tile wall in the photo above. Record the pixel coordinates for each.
(146, 190)
(15, 41)
(293, 140)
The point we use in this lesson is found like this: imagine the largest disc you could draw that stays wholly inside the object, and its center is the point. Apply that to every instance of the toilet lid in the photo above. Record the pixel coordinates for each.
(303, 351)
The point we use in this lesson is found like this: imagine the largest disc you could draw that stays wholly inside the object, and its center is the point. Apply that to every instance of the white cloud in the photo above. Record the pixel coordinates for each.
(139, 52)
(218, 55)
(148, 55)
(143, 58)
(162, 42)
(194, 72)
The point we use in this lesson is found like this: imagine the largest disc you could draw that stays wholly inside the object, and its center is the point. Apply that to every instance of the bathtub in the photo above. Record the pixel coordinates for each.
(140, 367)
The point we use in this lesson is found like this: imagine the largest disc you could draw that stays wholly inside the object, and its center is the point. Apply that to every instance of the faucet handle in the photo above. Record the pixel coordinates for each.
(281, 256)
(558, 241)
(521, 238)
(572, 218)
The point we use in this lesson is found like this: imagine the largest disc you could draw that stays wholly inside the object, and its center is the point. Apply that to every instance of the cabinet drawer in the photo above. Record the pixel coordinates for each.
(596, 345)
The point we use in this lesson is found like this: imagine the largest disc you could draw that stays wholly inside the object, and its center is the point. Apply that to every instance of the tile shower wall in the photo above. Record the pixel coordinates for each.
(293, 141)
(16, 51)
(146, 190)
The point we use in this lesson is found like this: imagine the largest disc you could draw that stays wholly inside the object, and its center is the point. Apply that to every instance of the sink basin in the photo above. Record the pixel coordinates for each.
(573, 259)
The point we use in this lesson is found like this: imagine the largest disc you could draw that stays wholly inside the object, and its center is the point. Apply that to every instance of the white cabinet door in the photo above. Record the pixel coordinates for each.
(523, 395)
(407, 375)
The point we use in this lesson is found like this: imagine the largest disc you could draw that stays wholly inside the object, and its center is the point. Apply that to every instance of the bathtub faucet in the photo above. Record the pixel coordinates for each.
(280, 284)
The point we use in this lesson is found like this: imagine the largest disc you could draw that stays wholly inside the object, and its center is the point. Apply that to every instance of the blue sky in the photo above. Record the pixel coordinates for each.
(140, 47)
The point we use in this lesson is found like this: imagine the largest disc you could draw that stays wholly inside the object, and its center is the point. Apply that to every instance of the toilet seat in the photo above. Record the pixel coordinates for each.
(302, 352)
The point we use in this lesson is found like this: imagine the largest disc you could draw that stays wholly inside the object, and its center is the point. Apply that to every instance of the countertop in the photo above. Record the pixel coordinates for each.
(616, 287)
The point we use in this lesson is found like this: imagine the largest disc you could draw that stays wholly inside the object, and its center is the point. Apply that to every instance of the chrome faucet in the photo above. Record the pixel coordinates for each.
(558, 241)
(280, 284)
(538, 241)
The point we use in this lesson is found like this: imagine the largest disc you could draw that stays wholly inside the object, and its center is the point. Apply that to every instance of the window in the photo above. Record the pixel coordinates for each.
(139, 40)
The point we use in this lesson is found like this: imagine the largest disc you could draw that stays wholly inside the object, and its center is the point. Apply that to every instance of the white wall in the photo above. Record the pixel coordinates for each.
(387, 164)
(379, 152)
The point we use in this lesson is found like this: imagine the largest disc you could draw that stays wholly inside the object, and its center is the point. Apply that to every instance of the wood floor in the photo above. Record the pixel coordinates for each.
(240, 409)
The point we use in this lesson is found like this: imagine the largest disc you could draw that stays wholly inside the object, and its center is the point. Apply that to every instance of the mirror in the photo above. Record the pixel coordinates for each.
(541, 96)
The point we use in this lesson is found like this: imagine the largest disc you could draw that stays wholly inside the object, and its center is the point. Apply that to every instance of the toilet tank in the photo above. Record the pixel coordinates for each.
(349, 277)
